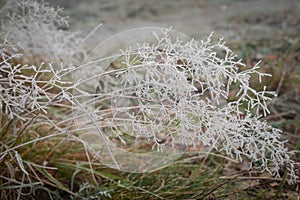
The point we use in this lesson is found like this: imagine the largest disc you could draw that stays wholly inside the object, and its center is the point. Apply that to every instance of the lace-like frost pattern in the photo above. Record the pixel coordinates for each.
(41, 31)
(27, 90)
(180, 91)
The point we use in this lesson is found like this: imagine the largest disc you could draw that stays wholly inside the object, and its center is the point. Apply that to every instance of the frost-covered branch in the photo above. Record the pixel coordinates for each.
(180, 91)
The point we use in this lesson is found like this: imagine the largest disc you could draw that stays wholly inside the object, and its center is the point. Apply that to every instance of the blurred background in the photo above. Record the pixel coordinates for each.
(197, 18)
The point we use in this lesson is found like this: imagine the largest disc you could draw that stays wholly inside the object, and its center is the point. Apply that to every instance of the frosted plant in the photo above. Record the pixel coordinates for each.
(30, 88)
(27, 90)
(27, 93)
(41, 31)
(169, 92)
(173, 92)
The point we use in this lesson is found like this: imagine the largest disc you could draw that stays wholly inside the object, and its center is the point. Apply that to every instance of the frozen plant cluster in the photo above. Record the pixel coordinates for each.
(36, 51)
(33, 82)
(168, 92)
(179, 92)
(40, 30)
(27, 90)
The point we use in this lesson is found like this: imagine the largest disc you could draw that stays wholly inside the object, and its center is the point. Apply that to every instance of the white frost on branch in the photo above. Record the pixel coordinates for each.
(182, 89)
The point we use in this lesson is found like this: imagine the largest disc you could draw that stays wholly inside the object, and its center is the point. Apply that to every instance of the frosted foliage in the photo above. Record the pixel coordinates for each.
(41, 31)
(179, 90)
(170, 92)
(28, 89)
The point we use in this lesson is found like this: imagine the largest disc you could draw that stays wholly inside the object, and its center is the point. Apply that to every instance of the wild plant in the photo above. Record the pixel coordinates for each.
(174, 92)
(41, 30)
(169, 93)
(31, 89)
